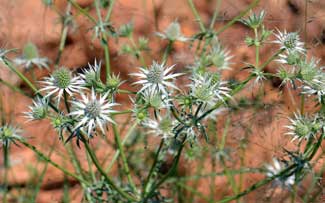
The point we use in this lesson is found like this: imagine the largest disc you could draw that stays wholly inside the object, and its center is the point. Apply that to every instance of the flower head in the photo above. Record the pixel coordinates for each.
(173, 33)
(208, 88)
(290, 58)
(255, 20)
(162, 127)
(31, 58)
(39, 110)
(61, 81)
(93, 112)
(219, 57)
(155, 99)
(303, 127)
(156, 78)
(313, 79)
(91, 75)
(290, 41)
(277, 168)
(9, 134)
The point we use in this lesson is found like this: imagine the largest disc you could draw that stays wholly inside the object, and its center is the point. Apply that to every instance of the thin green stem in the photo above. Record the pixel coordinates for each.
(110, 9)
(20, 75)
(166, 176)
(234, 20)
(215, 14)
(47, 159)
(256, 186)
(152, 169)
(117, 153)
(197, 16)
(257, 49)
(63, 38)
(107, 59)
(103, 173)
(83, 11)
(6, 168)
(167, 50)
(124, 160)
(14, 88)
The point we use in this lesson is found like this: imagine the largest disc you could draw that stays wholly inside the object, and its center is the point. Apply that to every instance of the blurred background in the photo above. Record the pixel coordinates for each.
(257, 127)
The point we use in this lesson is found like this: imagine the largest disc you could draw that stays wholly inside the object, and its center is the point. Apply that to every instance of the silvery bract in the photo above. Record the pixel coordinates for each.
(61, 81)
(156, 78)
(93, 112)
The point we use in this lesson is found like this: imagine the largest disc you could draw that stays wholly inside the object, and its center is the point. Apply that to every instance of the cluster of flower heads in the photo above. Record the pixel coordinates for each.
(91, 101)
(306, 74)
(172, 111)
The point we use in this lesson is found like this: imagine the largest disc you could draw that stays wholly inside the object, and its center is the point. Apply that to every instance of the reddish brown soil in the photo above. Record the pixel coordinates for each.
(23, 21)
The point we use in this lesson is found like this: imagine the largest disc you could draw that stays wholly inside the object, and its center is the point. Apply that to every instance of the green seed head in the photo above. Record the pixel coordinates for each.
(302, 129)
(165, 125)
(62, 78)
(202, 92)
(113, 81)
(7, 132)
(39, 112)
(141, 115)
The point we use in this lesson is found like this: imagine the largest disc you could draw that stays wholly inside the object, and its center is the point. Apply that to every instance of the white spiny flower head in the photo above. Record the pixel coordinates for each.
(173, 33)
(290, 58)
(156, 99)
(202, 89)
(277, 168)
(221, 90)
(8, 134)
(156, 78)
(316, 86)
(93, 112)
(290, 41)
(38, 110)
(309, 70)
(61, 81)
(91, 74)
(220, 57)
(208, 88)
(29, 63)
(259, 75)
(163, 127)
(303, 127)
(287, 76)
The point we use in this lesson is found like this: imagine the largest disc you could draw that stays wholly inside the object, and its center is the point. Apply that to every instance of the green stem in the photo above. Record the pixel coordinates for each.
(257, 49)
(152, 169)
(166, 176)
(167, 51)
(117, 153)
(196, 14)
(110, 9)
(103, 173)
(65, 95)
(107, 59)
(6, 168)
(47, 159)
(64, 35)
(230, 23)
(14, 88)
(62, 44)
(215, 14)
(256, 186)
(124, 160)
(20, 75)
(83, 11)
